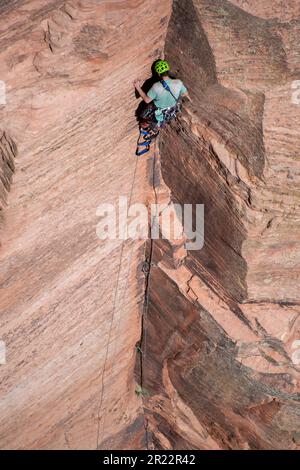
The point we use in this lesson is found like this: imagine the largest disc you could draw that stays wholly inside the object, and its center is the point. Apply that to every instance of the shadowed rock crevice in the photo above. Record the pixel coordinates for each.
(71, 112)
(194, 180)
(231, 405)
(233, 113)
(8, 152)
(221, 352)
(221, 370)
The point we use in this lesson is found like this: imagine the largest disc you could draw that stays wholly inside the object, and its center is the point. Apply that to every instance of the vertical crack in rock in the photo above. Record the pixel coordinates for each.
(8, 152)
(220, 367)
(147, 268)
(71, 112)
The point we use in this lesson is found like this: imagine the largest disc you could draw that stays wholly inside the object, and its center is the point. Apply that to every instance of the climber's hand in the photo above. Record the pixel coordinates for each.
(187, 96)
(137, 83)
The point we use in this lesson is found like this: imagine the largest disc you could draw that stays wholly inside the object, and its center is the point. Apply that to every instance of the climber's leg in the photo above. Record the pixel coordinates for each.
(143, 147)
(145, 139)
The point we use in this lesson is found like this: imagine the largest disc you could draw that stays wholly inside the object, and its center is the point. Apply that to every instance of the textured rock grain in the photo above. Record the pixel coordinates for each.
(220, 364)
(223, 327)
(69, 67)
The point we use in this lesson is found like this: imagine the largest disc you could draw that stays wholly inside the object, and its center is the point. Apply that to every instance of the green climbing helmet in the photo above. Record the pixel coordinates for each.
(161, 67)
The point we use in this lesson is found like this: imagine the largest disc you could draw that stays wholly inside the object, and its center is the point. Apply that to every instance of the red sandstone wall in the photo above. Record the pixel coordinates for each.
(69, 68)
(218, 363)
(221, 368)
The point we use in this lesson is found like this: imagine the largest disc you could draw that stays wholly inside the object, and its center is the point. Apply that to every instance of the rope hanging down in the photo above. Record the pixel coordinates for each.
(144, 314)
(111, 324)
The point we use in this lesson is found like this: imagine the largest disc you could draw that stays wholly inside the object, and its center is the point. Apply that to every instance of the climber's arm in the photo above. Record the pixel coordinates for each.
(145, 97)
(142, 94)
(184, 92)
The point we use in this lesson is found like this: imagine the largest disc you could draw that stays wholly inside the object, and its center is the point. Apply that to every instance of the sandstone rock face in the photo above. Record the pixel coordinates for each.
(223, 371)
(70, 303)
(220, 334)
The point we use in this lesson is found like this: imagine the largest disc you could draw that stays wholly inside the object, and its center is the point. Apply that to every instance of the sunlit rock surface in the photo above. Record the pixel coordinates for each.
(66, 296)
(220, 359)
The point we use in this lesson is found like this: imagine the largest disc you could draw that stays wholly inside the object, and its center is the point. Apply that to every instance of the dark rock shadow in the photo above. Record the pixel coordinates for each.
(146, 87)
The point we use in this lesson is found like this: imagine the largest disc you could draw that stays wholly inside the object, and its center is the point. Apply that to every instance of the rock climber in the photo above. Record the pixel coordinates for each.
(163, 100)
(164, 94)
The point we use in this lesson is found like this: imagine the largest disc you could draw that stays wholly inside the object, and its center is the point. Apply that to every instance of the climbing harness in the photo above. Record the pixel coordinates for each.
(171, 112)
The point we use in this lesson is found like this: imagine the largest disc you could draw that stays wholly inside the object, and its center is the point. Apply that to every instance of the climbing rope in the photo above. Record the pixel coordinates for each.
(143, 341)
(131, 255)
(112, 321)
(99, 433)
(147, 271)
(139, 152)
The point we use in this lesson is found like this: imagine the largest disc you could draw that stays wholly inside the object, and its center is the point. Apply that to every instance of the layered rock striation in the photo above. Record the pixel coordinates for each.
(70, 303)
(201, 349)
(223, 371)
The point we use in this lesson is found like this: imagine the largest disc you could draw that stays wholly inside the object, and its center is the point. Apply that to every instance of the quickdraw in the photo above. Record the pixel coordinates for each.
(147, 136)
